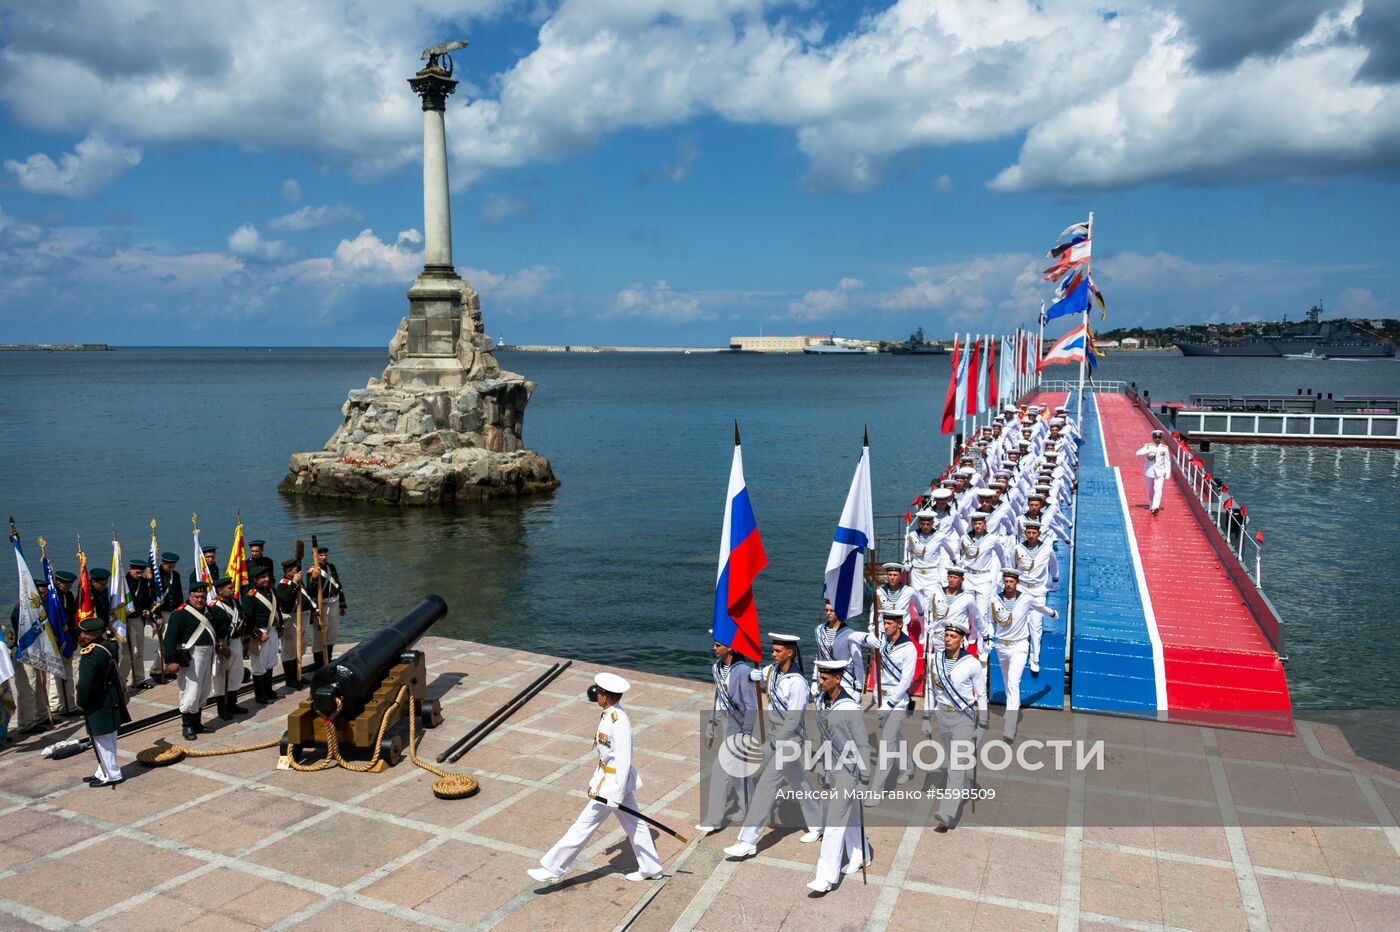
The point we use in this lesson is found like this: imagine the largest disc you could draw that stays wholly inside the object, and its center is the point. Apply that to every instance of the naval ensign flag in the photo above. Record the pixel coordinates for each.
(854, 536)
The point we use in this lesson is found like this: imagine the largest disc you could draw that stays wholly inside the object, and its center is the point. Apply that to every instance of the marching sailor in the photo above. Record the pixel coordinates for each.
(615, 782)
(842, 728)
(1156, 468)
(1054, 521)
(1014, 621)
(838, 641)
(959, 702)
(981, 554)
(229, 632)
(951, 603)
(263, 620)
(101, 699)
(786, 688)
(922, 552)
(189, 652)
(895, 661)
(736, 700)
(1039, 568)
(895, 597)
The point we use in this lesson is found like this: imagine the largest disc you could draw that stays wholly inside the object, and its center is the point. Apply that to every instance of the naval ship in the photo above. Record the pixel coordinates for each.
(1311, 338)
(918, 345)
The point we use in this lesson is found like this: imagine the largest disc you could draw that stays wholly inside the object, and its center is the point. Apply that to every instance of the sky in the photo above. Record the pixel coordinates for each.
(677, 172)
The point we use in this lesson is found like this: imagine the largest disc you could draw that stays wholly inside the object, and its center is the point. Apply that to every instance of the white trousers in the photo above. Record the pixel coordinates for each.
(131, 665)
(195, 679)
(594, 814)
(332, 632)
(721, 783)
(1012, 656)
(891, 721)
(29, 689)
(264, 653)
(841, 835)
(770, 779)
(228, 671)
(289, 637)
(953, 725)
(922, 580)
(1154, 491)
(107, 767)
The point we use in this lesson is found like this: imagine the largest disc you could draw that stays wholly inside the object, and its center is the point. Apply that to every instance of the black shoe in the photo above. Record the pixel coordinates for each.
(247, 676)
(199, 728)
(95, 783)
(221, 703)
(268, 692)
(231, 704)
(188, 732)
(289, 676)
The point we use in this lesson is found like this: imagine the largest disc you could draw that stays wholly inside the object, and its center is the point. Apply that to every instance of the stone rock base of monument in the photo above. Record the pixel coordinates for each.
(410, 445)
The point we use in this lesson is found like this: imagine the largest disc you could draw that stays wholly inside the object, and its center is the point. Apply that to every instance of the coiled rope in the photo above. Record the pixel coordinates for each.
(447, 786)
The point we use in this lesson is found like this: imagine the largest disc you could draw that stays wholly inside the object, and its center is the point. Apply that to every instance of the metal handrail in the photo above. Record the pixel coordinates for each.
(1066, 385)
(1211, 498)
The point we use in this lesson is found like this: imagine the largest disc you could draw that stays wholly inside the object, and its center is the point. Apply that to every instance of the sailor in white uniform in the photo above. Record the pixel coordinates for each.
(896, 597)
(1156, 469)
(736, 702)
(1040, 571)
(923, 554)
(1014, 621)
(1053, 523)
(981, 554)
(782, 681)
(838, 641)
(951, 603)
(958, 700)
(615, 781)
(896, 658)
(842, 730)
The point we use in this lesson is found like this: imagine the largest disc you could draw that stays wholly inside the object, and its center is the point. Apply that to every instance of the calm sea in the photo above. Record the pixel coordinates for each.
(618, 566)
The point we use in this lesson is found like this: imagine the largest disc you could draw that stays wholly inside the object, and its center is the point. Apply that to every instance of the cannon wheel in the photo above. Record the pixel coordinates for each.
(391, 750)
(431, 716)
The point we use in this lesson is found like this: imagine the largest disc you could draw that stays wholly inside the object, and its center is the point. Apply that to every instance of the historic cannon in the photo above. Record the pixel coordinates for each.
(358, 693)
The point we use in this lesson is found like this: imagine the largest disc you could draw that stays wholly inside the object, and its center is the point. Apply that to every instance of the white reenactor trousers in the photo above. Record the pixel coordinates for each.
(562, 855)
(770, 778)
(228, 671)
(264, 653)
(131, 665)
(1154, 491)
(331, 634)
(841, 835)
(108, 769)
(195, 679)
(953, 725)
(30, 697)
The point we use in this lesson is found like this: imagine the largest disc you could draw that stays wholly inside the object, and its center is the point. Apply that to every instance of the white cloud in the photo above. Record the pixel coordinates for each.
(367, 258)
(943, 184)
(311, 217)
(524, 285)
(825, 302)
(291, 191)
(248, 244)
(658, 302)
(687, 154)
(499, 210)
(93, 164)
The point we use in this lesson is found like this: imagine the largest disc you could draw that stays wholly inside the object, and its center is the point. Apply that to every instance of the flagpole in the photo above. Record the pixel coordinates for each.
(1084, 360)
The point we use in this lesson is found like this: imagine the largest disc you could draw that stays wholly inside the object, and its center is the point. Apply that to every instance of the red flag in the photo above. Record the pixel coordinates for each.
(1259, 536)
(950, 415)
(992, 374)
(85, 610)
(1228, 503)
(972, 373)
(1243, 511)
(908, 517)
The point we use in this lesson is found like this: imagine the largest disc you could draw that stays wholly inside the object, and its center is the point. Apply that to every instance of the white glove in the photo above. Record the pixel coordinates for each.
(928, 728)
(711, 727)
(756, 676)
(816, 690)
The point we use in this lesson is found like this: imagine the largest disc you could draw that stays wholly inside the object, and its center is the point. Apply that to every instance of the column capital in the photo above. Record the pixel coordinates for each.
(433, 85)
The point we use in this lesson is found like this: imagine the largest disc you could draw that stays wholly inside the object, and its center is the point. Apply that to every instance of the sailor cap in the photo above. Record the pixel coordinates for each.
(611, 683)
(783, 638)
(1010, 571)
(1036, 497)
(957, 624)
(978, 516)
(1042, 485)
(947, 484)
(897, 567)
(984, 493)
(997, 484)
(940, 495)
(926, 513)
(956, 571)
(965, 471)
(832, 666)
(895, 614)
(1030, 524)
(1061, 408)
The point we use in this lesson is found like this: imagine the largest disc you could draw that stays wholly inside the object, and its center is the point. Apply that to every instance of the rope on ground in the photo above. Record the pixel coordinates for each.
(447, 786)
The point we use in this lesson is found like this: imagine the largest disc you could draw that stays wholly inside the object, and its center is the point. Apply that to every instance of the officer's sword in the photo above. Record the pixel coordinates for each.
(645, 818)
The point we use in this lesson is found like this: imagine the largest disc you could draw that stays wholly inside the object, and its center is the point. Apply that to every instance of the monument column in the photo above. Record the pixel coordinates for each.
(433, 85)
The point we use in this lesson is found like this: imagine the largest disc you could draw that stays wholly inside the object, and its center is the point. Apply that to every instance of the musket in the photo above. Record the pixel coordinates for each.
(299, 549)
(320, 602)
(155, 606)
(647, 819)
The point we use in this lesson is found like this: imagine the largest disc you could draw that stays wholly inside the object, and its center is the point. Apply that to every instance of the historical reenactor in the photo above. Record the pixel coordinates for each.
(31, 693)
(332, 597)
(101, 698)
(141, 594)
(256, 560)
(263, 622)
(166, 579)
(896, 657)
(838, 641)
(959, 702)
(189, 652)
(98, 581)
(1039, 568)
(842, 729)
(61, 699)
(782, 681)
(210, 560)
(1157, 467)
(1014, 621)
(615, 782)
(294, 600)
(229, 632)
(736, 700)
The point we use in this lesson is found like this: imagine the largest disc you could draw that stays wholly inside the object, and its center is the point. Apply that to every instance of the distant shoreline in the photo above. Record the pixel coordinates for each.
(56, 347)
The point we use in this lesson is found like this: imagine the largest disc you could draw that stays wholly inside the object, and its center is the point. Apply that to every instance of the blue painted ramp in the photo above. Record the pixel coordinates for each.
(1112, 668)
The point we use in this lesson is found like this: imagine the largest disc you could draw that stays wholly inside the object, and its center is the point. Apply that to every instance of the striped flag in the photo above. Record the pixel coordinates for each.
(952, 404)
(1068, 348)
(120, 597)
(36, 644)
(855, 534)
(53, 607)
(741, 559)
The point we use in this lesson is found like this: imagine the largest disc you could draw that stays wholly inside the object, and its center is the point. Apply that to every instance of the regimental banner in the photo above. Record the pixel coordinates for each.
(35, 644)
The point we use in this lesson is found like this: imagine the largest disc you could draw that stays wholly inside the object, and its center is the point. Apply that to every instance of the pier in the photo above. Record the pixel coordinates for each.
(1304, 418)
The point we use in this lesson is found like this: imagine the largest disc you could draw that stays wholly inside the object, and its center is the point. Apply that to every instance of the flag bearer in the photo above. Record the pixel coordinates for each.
(61, 700)
(229, 631)
(100, 696)
(1157, 467)
(263, 620)
(211, 560)
(959, 702)
(736, 700)
(31, 693)
(846, 769)
(786, 689)
(838, 641)
(615, 781)
(896, 657)
(167, 580)
(189, 652)
(256, 559)
(140, 599)
(1014, 622)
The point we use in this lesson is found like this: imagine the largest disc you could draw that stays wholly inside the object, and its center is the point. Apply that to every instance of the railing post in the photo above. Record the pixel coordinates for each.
(1259, 564)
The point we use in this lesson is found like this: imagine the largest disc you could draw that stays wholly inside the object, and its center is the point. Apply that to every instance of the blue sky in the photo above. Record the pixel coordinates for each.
(658, 173)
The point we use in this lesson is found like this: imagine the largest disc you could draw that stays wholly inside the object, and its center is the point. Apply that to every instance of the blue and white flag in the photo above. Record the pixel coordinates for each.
(35, 645)
(855, 534)
(59, 626)
(1075, 302)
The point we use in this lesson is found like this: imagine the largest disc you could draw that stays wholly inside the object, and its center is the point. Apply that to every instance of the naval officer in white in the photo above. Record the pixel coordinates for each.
(1157, 467)
(614, 781)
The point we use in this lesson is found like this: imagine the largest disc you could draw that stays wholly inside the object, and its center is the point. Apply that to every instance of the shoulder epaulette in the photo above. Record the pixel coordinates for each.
(87, 648)
(614, 715)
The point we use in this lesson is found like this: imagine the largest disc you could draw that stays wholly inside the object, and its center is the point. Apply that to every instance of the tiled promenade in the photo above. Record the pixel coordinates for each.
(234, 843)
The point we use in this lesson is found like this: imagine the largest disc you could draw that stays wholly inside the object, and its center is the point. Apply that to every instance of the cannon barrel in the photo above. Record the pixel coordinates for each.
(353, 677)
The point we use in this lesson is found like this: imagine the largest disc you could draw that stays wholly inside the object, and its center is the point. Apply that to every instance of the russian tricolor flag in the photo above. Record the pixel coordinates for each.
(741, 559)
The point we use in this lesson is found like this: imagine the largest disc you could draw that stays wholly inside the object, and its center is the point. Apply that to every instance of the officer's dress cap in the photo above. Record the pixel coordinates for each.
(611, 683)
(957, 624)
